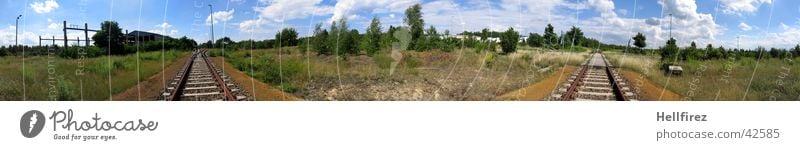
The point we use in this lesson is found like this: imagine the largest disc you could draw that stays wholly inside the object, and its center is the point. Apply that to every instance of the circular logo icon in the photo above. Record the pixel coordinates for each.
(31, 123)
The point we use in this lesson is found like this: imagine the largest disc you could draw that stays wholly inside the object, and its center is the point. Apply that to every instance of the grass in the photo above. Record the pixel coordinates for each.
(724, 79)
(55, 78)
(291, 71)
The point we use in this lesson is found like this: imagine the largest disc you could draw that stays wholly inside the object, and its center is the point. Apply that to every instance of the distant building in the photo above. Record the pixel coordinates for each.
(142, 36)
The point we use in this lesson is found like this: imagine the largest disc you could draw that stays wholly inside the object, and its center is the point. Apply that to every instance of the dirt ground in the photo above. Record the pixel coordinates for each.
(151, 88)
(542, 89)
(262, 90)
(648, 90)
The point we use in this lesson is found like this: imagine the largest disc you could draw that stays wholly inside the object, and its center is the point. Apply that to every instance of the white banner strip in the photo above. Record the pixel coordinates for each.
(402, 125)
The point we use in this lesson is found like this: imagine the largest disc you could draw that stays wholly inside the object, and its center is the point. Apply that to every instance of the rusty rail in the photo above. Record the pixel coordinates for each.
(617, 89)
(573, 87)
(175, 94)
(227, 91)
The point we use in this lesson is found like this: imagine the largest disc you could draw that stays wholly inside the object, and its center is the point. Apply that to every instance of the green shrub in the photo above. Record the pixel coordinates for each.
(65, 89)
(382, 60)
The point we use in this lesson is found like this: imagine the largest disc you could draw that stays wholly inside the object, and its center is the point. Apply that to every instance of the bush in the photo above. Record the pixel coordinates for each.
(382, 60)
(509, 40)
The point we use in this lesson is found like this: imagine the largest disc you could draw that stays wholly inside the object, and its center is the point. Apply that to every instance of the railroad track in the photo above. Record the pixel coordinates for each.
(595, 80)
(201, 80)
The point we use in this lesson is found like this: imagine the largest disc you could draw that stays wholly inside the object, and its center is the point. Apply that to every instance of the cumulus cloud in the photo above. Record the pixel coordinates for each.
(278, 11)
(164, 25)
(745, 27)
(44, 7)
(164, 29)
(220, 16)
(53, 26)
(742, 6)
(25, 37)
(345, 8)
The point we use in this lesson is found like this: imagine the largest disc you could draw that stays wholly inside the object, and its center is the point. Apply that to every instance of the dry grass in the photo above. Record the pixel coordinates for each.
(774, 79)
(458, 75)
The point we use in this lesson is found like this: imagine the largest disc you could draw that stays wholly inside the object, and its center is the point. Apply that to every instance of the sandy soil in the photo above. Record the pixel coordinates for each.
(151, 88)
(262, 90)
(648, 90)
(541, 89)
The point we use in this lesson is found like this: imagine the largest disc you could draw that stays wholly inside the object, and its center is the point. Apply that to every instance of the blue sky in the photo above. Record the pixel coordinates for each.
(719, 22)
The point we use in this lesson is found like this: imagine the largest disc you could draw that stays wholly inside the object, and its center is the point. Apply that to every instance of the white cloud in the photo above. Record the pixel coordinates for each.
(784, 26)
(164, 25)
(25, 37)
(280, 10)
(250, 26)
(220, 16)
(742, 6)
(348, 7)
(745, 27)
(44, 7)
(53, 26)
(164, 29)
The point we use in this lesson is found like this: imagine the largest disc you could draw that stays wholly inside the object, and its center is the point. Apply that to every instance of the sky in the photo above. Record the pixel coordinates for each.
(728, 23)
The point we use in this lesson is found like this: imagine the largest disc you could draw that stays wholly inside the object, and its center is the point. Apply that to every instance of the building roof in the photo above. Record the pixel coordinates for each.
(142, 33)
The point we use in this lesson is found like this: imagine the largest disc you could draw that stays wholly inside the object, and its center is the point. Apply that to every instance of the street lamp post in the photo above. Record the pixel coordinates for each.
(16, 31)
(670, 26)
(211, 8)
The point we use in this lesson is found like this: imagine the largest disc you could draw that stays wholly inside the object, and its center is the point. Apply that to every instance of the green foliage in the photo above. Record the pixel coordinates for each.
(509, 40)
(573, 37)
(320, 41)
(64, 89)
(669, 51)
(692, 53)
(372, 39)
(110, 37)
(640, 40)
(382, 60)
(550, 36)
(414, 20)
(77, 52)
(286, 37)
(535, 40)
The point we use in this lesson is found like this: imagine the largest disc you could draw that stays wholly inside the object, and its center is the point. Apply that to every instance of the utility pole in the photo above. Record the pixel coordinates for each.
(211, 8)
(16, 32)
(670, 26)
(737, 42)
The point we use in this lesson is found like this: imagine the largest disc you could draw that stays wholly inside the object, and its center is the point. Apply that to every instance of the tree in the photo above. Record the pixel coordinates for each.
(692, 53)
(351, 43)
(796, 50)
(414, 20)
(550, 35)
(431, 39)
(639, 40)
(535, 40)
(319, 43)
(776, 53)
(110, 38)
(574, 36)
(509, 40)
(669, 51)
(223, 41)
(484, 34)
(372, 38)
(287, 37)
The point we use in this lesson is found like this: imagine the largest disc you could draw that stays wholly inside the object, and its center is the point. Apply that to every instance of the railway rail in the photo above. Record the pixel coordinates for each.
(596, 79)
(201, 80)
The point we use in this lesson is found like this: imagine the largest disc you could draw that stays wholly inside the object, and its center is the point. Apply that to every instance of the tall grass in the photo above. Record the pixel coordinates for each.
(73, 79)
(724, 79)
